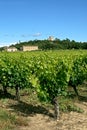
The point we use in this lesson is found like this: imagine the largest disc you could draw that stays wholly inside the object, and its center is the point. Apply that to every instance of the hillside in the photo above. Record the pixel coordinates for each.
(51, 45)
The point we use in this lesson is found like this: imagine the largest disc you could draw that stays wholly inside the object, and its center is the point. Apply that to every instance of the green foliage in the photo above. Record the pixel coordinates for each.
(49, 73)
(51, 45)
(79, 72)
(67, 106)
(14, 73)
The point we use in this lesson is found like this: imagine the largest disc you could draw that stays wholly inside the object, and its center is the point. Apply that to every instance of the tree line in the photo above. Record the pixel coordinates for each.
(51, 45)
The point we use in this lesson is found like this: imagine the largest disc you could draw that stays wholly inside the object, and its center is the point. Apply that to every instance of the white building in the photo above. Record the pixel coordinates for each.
(29, 48)
(11, 49)
(51, 38)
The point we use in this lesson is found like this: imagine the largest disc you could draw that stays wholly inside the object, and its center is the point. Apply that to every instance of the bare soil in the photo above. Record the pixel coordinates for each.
(67, 121)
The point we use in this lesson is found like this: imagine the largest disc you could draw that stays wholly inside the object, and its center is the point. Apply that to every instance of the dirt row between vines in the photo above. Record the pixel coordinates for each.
(67, 121)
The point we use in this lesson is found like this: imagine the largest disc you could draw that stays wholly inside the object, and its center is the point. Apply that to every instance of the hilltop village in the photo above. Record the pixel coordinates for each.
(48, 44)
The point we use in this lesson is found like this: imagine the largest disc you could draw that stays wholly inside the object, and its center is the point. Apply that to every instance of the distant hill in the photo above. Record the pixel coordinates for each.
(51, 45)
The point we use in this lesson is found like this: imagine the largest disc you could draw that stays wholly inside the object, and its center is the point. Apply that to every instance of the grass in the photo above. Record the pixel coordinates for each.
(13, 114)
(7, 121)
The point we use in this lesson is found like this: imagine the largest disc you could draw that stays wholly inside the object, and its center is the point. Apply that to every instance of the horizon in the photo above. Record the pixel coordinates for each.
(19, 42)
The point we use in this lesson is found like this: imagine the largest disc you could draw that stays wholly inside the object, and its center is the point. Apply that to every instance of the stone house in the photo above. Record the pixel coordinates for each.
(29, 48)
(11, 49)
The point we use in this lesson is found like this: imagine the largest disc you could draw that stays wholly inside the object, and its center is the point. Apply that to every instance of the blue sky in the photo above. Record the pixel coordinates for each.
(24, 20)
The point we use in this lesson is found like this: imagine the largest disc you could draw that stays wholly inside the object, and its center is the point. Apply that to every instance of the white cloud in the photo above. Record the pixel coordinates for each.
(24, 35)
(7, 44)
(6, 35)
(36, 34)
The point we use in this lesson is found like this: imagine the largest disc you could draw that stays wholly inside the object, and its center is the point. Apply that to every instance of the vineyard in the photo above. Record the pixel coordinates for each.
(50, 74)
